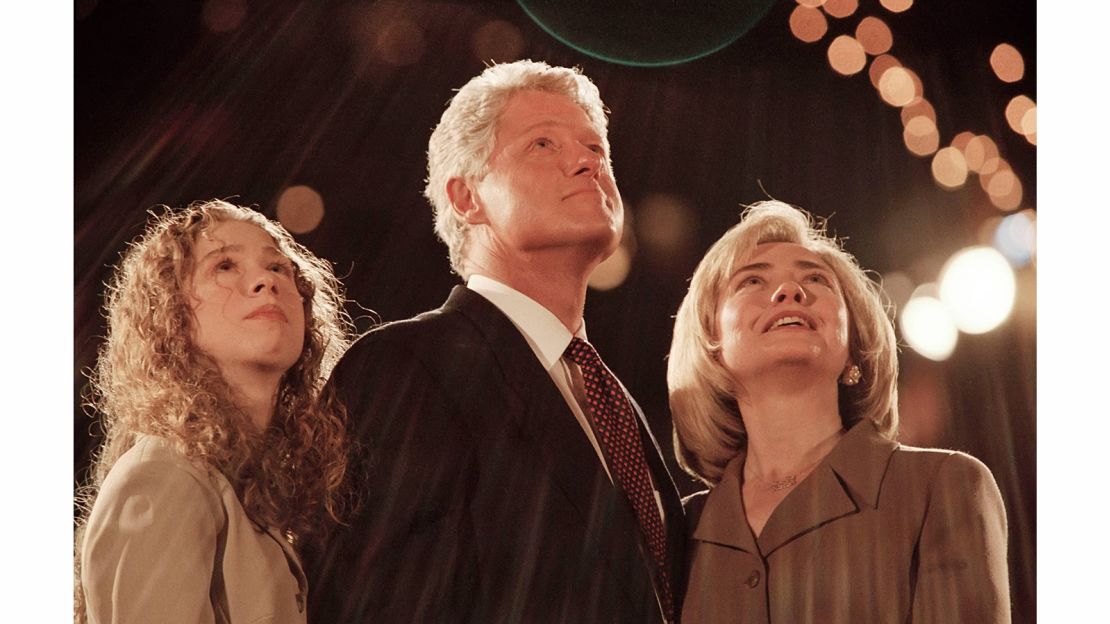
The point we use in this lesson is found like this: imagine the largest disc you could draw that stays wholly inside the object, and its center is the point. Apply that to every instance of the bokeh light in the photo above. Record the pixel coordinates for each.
(874, 35)
(878, 67)
(920, 108)
(961, 140)
(1016, 110)
(613, 271)
(928, 327)
(300, 209)
(498, 41)
(979, 151)
(949, 168)
(223, 15)
(896, 86)
(1004, 188)
(808, 24)
(896, 6)
(977, 287)
(401, 43)
(1028, 123)
(811, 4)
(920, 136)
(1007, 63)
(840, 8)
(664, 224)
(1016, 237)
(846, 55)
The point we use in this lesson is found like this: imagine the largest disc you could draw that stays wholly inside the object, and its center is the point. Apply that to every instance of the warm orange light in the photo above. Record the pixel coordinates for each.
(400, 43)
(300, 209)
(989, 169)
(949, 168)
(979, 151)
(896, 86)
(920, 136)
(1029, 122)
(896, 6)
(1007, 63)
(961, 140)
(1031, 137)
(874, 35)
(811, 4)
(1005, 190)
(808, 24)
(879, 65)
(846, 55)
(841, 8)
(1015, 112)
(497, 40)
(921, 107)
(918, 86)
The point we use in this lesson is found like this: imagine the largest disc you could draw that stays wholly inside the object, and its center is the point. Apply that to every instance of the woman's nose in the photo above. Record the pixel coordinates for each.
(265, 280)
(789, 291)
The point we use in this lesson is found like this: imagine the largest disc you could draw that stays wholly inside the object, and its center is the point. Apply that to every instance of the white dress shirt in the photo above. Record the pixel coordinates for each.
(549, 338)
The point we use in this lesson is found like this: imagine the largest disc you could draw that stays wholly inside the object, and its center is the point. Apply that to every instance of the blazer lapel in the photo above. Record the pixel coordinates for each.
(722, 519)
(846, 481)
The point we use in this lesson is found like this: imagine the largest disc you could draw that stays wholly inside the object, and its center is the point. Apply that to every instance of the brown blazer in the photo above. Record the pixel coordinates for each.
(168, 541)
(878, 532)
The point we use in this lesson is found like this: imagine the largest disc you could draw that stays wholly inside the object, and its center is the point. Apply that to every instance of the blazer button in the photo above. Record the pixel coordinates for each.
(753, 579)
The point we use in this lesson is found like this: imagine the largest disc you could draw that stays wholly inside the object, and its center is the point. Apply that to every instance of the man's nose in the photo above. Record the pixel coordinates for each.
(586, 161)
(789, 291)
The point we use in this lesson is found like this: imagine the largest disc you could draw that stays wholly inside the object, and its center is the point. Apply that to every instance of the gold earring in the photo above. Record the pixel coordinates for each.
(851, 376)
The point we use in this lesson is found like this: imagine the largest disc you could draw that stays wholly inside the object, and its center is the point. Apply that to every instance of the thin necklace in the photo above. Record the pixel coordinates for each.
(789, 481)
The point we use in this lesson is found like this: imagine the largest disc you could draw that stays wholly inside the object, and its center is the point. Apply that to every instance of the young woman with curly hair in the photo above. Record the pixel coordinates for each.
(221, 451)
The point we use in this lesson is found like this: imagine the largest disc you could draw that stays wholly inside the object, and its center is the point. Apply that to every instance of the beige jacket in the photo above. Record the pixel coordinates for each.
(878, 532)
(168, 542)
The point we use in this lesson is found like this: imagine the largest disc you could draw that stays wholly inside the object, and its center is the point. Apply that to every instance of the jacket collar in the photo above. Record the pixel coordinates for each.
(845, 482)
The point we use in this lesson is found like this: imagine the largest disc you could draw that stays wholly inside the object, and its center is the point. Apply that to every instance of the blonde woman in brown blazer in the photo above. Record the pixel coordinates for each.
(783, 381)
(222, 454)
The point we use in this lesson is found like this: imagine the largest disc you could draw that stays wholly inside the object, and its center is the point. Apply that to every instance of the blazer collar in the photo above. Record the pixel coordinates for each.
(847, 480)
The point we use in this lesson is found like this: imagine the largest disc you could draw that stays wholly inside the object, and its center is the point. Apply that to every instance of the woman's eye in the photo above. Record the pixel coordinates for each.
(751, 280)
(225, 265)
(281, 267)
(818, 278)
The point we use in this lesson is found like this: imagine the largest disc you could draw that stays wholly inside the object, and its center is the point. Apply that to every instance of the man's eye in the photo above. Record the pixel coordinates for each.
(543, 143)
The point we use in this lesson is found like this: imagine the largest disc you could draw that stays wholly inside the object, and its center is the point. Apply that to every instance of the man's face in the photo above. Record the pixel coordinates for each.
(549, 184)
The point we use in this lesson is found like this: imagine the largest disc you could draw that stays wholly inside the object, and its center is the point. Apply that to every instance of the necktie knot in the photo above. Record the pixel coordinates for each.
(581, 352)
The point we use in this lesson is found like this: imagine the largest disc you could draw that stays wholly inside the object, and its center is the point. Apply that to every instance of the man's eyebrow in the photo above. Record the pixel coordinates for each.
(755, 266)
(555, 123)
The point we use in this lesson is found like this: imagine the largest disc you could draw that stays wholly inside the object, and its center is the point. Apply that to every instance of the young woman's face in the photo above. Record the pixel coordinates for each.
(245, 301)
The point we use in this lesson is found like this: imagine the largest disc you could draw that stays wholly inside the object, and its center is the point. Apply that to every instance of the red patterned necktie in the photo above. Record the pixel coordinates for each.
(619, 437)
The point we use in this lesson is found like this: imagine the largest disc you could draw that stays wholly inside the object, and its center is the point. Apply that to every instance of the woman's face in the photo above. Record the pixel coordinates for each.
(783, 310)
(248, 312)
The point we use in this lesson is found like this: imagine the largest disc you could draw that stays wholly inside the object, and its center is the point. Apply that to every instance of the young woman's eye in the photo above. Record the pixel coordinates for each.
(751, 280)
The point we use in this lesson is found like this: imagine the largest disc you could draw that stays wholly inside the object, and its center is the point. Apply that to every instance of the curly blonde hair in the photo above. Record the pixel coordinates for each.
(708, 427)
(150, 379)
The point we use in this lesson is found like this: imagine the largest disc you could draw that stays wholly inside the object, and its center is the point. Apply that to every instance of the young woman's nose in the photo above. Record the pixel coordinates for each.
(263, 281)
(789, 291)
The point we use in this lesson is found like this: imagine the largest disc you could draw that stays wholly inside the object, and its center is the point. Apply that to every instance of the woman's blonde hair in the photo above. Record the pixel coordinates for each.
(150, 379)
(708, 428)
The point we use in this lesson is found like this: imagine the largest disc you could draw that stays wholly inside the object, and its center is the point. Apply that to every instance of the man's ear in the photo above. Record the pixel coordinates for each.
(465, 201)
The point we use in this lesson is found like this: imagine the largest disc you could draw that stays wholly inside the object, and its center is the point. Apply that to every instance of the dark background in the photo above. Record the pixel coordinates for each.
(342, 96)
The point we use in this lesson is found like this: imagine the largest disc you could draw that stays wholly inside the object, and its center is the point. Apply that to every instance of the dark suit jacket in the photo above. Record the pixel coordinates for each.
(878, 532)
(483, 499)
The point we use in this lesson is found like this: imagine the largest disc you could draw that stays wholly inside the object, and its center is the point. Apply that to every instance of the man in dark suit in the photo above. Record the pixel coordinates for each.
(510, 477)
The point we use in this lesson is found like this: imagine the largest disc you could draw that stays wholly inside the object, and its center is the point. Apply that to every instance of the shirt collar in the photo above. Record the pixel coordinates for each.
(543, 331)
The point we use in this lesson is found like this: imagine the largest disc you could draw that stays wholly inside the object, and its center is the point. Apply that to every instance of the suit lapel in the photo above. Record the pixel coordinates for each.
(723, 520)
(545, 419)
